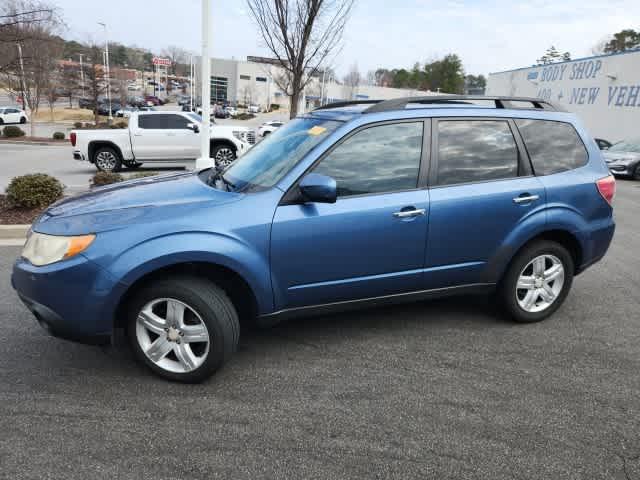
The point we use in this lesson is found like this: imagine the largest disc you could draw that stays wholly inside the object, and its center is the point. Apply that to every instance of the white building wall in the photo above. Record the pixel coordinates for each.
(250, 82)
(604, 91)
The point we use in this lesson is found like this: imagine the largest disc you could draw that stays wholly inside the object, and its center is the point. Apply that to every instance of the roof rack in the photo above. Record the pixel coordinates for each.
(401, 103)
(348, 103)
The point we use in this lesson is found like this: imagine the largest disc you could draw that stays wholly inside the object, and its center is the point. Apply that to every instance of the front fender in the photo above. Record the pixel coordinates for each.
(218, 249)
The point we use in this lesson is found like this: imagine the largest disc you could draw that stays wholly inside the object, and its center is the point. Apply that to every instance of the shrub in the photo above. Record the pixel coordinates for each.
(105, 178)
(121, 124)
(12, 131)
(244, 116)
(275, 106)
(142, 175)
(77, 125)
(58, 136)
(34, 190)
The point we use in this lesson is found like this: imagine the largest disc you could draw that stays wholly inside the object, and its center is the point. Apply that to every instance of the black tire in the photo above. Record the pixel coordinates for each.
(102, 166)
(23, 120)
(507, 287)
(217, 150)
(1, 121)
(636, 172)
(214, 307)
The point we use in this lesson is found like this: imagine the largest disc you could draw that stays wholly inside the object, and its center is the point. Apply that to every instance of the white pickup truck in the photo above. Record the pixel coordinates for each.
(161, 136)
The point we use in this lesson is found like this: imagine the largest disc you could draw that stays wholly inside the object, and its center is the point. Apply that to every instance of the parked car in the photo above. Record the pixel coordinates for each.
(623, 158)
(134, 87)
(106, 108)
(220, 112)
(87, 103)
(603, 144)
(126, 112)
(184, 100)
(253, 109)
(269, 127)
(348, 206)
(232, 111)
(158, 137)
(12, 115)
(153, 101)
(137, 101)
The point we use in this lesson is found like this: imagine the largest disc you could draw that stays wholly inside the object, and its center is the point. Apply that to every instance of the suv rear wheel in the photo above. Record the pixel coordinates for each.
(184, 329)
(537, 281)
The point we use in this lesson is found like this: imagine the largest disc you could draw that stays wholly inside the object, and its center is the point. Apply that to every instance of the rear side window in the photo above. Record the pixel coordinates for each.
(475, 151)
(152, 122)
(553, 146)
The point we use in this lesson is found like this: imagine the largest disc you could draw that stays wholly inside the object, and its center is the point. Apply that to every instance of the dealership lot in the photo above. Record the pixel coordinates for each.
(444, 389)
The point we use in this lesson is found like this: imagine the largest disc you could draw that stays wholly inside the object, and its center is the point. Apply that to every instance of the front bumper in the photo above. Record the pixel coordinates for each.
(623, 169)
(70, 299)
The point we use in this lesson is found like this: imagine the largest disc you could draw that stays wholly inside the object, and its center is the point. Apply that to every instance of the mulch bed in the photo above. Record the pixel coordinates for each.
(16, 216)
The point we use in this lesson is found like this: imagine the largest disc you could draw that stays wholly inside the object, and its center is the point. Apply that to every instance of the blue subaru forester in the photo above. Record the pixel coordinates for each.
(352, 205)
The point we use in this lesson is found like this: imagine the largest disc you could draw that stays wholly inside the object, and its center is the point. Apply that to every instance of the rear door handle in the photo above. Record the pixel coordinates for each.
(410, 213)
(526, 198)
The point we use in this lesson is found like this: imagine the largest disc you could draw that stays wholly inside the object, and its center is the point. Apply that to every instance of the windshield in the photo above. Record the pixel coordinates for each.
(271, 159)
(626, 146)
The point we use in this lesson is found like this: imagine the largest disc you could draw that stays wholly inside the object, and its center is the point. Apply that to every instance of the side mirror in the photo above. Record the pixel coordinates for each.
(194, 127)
(318, 188)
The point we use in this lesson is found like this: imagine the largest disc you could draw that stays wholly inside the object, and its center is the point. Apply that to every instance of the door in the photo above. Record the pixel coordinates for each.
(163, 137)
(371, 242)
(482, 189)
(12, 115)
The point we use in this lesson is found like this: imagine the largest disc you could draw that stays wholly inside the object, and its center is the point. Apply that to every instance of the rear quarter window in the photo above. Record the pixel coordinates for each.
(552, 146)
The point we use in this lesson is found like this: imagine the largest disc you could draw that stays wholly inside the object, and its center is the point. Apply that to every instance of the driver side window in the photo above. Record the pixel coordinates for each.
(379, 159)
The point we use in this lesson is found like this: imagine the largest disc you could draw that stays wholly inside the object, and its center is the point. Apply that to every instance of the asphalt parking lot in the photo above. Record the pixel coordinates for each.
(442, 390)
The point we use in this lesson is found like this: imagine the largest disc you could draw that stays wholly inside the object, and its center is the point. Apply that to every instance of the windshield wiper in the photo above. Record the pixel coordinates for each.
(217, 175)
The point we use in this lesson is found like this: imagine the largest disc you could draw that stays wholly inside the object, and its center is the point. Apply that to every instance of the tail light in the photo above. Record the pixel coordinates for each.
(72, 138)
(607, 188)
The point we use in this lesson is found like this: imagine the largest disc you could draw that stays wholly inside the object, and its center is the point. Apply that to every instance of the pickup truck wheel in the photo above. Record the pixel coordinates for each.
(223, 155)
(537, 281)
(183, 328)
(106, 159)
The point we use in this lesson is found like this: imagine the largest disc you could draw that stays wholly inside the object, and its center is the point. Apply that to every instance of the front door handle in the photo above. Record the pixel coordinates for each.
(526, 198)
(410, 213)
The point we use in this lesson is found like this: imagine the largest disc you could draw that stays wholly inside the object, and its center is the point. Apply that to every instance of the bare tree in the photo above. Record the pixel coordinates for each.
(300, 34)
(352, 81)
(179, 58)
(93, 70)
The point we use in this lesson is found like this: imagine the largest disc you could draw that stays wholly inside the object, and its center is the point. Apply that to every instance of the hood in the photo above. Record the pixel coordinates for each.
(124, 203)
(611, 157)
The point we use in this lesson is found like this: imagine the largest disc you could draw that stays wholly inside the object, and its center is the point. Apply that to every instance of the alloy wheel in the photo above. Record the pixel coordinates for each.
(172, 335)
(106, 161)
(540, 283)
(224, 157)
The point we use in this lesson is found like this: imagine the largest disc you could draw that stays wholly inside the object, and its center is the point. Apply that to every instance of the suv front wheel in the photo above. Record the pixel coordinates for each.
(184, 329)
(537, 281)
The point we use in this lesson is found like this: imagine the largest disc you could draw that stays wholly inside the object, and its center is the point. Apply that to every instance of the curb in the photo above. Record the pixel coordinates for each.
(14, 232)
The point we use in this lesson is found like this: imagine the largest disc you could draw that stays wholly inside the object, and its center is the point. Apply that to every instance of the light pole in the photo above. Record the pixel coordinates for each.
(106, 68)
(191, 83)
(82, 73)
(205, 161)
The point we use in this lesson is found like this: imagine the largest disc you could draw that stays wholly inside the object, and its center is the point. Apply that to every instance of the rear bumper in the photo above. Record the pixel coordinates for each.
(597, 245)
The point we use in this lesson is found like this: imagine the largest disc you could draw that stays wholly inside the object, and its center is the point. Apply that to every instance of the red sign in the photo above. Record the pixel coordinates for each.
(165, 62)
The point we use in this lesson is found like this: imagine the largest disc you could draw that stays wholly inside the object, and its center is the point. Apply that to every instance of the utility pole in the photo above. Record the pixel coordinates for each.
(191, 83)
(205, 161)
(82, 73)
(106, 68)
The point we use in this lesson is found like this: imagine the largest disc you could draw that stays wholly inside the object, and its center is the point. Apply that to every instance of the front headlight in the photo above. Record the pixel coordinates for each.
(42, 249)
(240, 135)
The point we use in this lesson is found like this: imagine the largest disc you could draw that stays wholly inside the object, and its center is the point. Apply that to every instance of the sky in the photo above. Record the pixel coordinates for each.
(489, 36)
